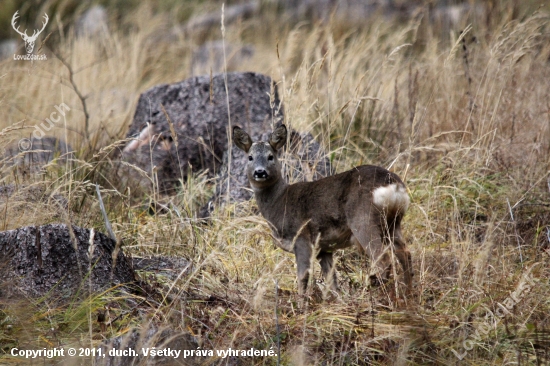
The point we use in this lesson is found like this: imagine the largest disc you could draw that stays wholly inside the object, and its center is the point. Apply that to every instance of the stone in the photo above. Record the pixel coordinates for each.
(42, 260)
(197, 108)
(210, 57)
(8, 48)
(163, 155)
(29, 156)
(92, 23)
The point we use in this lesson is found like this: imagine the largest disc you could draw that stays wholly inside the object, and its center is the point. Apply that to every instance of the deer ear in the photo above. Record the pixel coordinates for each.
(278, 137)
(242, 139)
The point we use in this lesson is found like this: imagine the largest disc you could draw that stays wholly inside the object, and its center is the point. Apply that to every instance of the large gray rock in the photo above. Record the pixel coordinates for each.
(210, 57)
(92, 23)
(198, 110)
(40, 260)
(8, 48)
(29, 156)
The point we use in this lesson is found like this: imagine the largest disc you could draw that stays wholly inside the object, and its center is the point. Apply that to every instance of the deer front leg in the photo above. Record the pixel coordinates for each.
(302, 251)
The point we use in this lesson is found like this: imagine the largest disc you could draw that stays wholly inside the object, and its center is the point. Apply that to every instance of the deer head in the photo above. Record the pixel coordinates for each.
(29, 41)
(263, 168)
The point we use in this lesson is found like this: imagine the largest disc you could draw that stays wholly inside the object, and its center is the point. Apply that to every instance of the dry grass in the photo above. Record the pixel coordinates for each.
(466, 119)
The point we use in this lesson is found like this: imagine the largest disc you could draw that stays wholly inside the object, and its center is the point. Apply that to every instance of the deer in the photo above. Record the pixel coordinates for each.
(29, 41)
(363, 206)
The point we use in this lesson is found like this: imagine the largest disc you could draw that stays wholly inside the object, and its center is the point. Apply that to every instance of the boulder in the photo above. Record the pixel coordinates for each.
(8, 48)
(353, 12)
(198, 110)
(92, 23)
(29, 156)
(232, 13)
(198, 137)
(210, 56)
(40, 260)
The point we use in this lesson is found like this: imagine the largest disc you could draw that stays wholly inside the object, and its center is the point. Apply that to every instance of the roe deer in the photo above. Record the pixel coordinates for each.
(363, 206)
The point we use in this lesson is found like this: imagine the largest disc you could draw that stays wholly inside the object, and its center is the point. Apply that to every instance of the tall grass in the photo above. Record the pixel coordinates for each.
(465, 117)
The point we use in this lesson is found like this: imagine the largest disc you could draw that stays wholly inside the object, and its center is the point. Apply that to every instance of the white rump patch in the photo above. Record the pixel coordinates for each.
(391, 198)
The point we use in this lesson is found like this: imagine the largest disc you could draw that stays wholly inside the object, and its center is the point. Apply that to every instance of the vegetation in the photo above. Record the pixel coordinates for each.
(462, 117)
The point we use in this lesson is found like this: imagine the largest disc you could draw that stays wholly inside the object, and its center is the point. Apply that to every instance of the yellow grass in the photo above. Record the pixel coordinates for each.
(473, 138)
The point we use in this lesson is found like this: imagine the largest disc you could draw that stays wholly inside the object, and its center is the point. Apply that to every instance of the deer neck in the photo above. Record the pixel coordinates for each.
(268, 198)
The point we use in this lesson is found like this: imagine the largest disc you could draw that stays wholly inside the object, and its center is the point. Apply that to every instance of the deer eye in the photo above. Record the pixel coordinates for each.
(270, 157)
(250, 158)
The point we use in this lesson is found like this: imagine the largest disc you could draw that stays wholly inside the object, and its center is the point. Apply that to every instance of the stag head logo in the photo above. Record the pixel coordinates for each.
(29, 41)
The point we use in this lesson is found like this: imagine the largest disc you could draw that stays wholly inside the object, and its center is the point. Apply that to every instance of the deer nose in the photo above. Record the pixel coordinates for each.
(260, 173)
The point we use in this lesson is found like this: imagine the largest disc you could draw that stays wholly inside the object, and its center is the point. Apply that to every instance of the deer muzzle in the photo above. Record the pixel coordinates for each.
(260, 174)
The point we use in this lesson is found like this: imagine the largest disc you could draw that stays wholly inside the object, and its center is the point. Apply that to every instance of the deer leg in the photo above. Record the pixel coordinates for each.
(328, 270)
(302, 251)
(379, 262)
(404, 257)
(370, 239)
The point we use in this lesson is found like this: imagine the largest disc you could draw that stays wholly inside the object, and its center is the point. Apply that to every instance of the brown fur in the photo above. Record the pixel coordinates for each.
(333, 213)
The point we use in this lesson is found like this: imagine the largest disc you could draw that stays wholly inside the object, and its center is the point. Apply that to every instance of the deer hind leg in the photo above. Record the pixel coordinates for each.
(302, 251)
(369, 238)
(328, 270)
(404, 257)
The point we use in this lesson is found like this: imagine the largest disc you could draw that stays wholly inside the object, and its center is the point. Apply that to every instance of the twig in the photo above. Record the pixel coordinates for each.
(79, 94)
(174, 137)
(43, 43)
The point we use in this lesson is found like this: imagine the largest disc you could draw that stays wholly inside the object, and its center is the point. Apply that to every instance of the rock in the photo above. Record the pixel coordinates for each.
(29, 156)
(40, 260)
(447, 17)
(147, 338)
(296, 10)
(8, 48)
(445, 14)
(198, 110)
(92, 23)
(210, 56)
(231, 14)
(353, 12)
